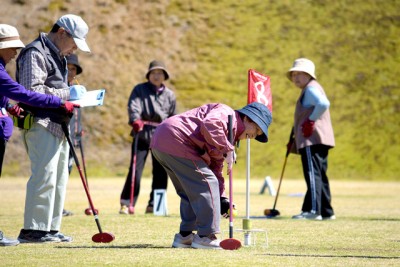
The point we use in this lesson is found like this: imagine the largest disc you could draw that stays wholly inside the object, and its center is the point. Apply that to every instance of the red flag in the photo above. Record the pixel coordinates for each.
(259, 89)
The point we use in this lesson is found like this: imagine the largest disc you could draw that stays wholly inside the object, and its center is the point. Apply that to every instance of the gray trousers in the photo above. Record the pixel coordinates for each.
(45, 190)
(198, 188)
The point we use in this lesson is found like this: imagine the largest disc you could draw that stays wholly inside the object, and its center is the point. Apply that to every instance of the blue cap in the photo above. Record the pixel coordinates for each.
(261, 115)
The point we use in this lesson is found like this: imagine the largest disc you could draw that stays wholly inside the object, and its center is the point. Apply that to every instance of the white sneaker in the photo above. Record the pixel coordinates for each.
(307, 215)
(124, 210)
(182, 242)
(332, 217)
(207, 242)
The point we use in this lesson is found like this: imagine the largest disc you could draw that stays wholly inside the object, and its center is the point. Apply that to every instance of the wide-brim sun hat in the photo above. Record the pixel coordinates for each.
(261, 115)
(9, 37)
(156, 64)
(303, 65)
(77, 28)
(73, 59)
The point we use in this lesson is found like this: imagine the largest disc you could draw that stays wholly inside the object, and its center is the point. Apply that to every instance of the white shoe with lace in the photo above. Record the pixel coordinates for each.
(124, 210)
(308, 216)
(182, 242)
(207, 242)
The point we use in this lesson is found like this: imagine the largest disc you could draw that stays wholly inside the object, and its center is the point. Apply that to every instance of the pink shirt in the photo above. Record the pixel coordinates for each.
(200, 133)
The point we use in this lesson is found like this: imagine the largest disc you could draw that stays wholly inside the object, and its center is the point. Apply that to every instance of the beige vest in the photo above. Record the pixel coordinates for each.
(323, 132)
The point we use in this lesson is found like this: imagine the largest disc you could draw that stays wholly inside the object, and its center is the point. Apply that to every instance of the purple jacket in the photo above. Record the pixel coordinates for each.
(10, 89)
(199, 134)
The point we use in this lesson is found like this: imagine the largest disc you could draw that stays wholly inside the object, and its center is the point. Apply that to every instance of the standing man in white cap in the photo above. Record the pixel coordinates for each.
(192, 147)
(42, 67)
(149, 104)
(313, 137)
(9, 44)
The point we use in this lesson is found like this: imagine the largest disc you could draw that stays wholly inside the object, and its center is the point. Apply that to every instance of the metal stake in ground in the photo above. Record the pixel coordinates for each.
(230, 243)
(272, 213)
(100, 237)
(133, 176)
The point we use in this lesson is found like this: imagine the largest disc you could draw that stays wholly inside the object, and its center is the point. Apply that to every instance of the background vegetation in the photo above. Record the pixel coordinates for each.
(208, 47)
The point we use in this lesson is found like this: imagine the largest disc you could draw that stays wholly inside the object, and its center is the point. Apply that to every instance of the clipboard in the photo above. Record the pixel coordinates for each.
(91, 98)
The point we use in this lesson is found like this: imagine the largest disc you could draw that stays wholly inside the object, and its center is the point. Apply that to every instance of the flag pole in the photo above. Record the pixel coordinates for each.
(246, 221)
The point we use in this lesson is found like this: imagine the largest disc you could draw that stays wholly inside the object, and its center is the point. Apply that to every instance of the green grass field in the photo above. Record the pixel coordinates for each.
(366, 232)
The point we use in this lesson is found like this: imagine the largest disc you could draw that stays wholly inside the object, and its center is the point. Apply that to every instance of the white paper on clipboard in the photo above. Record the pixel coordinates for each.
(91, 98)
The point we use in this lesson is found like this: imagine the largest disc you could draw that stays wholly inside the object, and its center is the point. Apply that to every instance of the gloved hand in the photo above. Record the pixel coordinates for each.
(308, 127)
(137, 125)
(76, 92)
(69, 106)
(225, 207)
(15, 110)
(230, 159)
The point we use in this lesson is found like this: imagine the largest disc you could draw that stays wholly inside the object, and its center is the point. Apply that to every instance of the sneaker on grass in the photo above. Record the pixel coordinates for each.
(149, 209)
(124, 210)
(308, 216)
(182, 242)
(207, 242)
(4, 241)
(35, 236)
(327, 218)
(67, 213)
(61, 236)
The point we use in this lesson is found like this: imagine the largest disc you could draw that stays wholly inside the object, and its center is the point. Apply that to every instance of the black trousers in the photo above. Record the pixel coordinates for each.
(160, 177)
(3, 144)
(315, 164)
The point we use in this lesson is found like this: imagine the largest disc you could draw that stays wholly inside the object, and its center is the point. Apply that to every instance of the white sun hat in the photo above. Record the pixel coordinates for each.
(304, 65)
(9, 37)
(78, 29)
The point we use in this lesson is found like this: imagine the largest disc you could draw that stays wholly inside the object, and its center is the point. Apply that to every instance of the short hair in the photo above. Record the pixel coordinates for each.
(55, 28)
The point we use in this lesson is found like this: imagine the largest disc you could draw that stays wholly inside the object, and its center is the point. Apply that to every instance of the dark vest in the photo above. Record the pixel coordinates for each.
(56, 67)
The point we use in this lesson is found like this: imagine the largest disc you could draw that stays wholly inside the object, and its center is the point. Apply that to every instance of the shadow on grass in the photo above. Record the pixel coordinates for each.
(133, 246)
(333, 256)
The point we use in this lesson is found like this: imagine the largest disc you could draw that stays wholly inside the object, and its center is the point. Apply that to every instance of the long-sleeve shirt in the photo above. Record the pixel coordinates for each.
(200, 134)
(314, 98)
(10, 89)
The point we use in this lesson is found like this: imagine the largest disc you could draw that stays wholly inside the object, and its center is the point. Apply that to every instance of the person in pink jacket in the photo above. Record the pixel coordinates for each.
(192, 147)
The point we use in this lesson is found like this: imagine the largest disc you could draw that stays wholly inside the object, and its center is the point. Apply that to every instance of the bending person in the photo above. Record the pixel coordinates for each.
(192, 147)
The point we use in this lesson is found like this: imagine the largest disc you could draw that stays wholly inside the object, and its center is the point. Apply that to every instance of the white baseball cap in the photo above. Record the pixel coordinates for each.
(9, 37)
(304, 65)
(78, 29)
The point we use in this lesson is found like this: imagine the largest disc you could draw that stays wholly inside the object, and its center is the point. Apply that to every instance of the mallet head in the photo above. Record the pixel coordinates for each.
(230, 244)
(271, 213)
(103, 238)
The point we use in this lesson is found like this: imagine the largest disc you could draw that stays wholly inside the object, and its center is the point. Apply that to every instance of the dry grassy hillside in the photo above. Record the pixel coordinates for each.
(209, 45)
(124, 37)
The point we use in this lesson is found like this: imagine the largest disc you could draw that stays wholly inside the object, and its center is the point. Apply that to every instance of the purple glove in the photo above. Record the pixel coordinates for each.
(308, 127)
